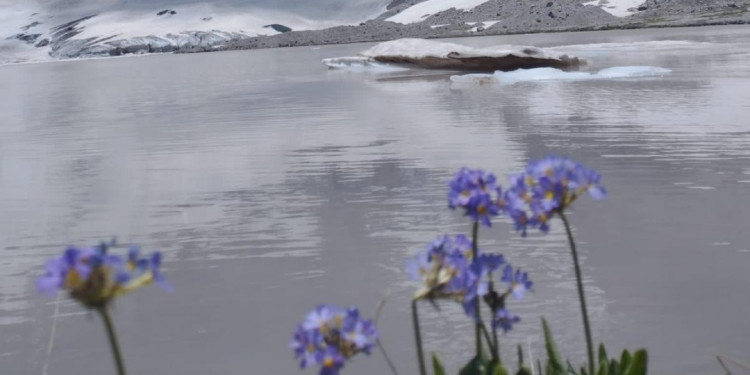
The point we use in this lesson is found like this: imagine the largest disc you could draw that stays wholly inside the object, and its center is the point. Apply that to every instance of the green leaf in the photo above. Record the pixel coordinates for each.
(437, 367)
(603, 361)
(625, 361)
(477, 366)
(603, 358)
(639, 364)
(554, 363)
(614, 367)
(496, 368)
(603, 369)
(571, 370)
(523, 371)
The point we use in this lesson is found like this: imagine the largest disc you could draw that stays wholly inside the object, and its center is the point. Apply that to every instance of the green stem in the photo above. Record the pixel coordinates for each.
(581, 295)
(487, 337)
(474, 255)
(112, 339)
(495, 344)
(385, 355)
(418, 337)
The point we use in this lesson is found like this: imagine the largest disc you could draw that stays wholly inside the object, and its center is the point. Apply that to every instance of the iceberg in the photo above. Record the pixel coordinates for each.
(551, 74)
(429, 54)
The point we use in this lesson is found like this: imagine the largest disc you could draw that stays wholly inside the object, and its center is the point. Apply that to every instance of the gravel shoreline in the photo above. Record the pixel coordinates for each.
(540, 16)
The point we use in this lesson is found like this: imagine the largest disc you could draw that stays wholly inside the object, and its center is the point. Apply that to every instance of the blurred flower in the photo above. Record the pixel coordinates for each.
(94, 277)
(518, 282)
(548, 187)
(330, 335)
(444, 269)
(505, 320)
(475, 191)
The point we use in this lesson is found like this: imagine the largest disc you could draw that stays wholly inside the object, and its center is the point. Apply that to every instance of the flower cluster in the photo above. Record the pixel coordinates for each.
(476, 192)
(547, 187)
(447, 270)
(94, 277)
(329, 336)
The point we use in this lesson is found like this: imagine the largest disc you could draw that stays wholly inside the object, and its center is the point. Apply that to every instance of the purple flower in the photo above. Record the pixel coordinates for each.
(444, 269)
(94, 277)
(476, 192)
(518, 282)
(331, 361)
(548, 187)
(306, 344)
(330, 335)
(505, 320)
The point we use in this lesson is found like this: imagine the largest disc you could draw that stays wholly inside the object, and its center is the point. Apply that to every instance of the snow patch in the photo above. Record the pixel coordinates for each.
(551, 74)
(617, 8)
(439, 26)
(419, 12)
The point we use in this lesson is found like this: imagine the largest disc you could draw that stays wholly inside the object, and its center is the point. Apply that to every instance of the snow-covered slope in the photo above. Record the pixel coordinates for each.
(420, 11)
(29, 32)
(617, 8)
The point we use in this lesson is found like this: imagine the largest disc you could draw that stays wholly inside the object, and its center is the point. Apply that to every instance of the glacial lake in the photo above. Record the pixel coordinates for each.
(273, 184)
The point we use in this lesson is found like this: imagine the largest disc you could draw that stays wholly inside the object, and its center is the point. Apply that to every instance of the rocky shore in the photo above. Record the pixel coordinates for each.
(499, 17)
(493, 17)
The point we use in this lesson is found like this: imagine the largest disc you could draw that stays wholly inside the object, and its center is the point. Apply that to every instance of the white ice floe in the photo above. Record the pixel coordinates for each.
(551, 74)
(617, 8)
(420, 48)
(360, 64)
(419, 12)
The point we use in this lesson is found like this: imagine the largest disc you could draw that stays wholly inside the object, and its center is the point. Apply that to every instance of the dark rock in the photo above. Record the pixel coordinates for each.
(279, 28)
(394, 4)
(549, 4)
(42, 43)
(28, 38)
(206, 18)
(551, 15)
(642, 8)
(35, 23)
(166, 11)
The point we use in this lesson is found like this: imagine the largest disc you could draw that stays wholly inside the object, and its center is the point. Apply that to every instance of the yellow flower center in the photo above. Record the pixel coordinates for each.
(328, 362)
(311, 348)
(482, 209)
(549, 195)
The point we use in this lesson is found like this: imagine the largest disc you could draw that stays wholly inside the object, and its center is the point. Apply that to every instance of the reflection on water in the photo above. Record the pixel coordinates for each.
(273, 185)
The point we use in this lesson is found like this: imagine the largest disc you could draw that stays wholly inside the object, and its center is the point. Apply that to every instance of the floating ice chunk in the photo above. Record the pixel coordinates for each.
(632, 71)
(419, 48)
(360, 64)
(551, 74)
(430, 54)
(425, 9)
(479, 79)
(539, 74)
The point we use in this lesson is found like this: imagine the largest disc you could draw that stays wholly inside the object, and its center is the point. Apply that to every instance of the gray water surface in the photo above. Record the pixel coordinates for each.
(272, 185)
